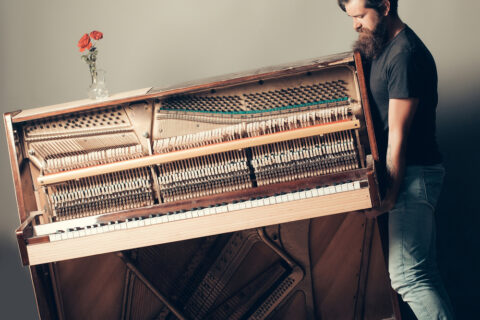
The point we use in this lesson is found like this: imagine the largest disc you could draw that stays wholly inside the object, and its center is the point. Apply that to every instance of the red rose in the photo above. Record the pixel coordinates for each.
(84, 42)
(96, 35)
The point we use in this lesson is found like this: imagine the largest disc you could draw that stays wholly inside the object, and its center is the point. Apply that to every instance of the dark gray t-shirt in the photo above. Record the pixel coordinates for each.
(406, 69)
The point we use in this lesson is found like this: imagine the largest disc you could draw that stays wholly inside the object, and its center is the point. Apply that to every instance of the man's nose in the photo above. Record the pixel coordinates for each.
(356, 25)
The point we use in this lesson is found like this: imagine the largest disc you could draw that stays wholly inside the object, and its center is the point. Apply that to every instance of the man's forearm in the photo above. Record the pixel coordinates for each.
(400, 115)
(395, 166)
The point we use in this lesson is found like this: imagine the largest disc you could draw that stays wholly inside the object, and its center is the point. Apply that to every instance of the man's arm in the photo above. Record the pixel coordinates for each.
(400, 116)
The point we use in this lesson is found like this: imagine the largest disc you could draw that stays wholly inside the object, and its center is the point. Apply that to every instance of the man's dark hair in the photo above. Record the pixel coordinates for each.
(375, 4)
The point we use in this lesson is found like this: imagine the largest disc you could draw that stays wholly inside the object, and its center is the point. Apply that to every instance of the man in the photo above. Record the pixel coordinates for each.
(402, 81)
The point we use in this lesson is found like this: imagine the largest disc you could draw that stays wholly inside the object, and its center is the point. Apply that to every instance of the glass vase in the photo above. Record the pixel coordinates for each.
(98, 87)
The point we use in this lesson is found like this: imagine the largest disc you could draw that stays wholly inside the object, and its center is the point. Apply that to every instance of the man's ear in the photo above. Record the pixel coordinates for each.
(386, 7)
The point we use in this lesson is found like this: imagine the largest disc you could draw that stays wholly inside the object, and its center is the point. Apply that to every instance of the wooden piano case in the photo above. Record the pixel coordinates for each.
(214, 255)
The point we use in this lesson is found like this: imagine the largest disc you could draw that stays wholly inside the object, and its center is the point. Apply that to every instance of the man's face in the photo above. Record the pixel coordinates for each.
(364, 19)
(371, 27)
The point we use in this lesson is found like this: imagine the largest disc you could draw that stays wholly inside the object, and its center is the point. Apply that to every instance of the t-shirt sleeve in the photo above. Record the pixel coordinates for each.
(404, 77)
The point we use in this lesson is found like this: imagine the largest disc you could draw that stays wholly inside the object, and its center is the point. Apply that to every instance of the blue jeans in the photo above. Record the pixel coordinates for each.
(412, 258)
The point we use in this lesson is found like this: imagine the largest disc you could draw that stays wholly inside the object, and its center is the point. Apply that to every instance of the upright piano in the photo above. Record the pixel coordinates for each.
(228, 198)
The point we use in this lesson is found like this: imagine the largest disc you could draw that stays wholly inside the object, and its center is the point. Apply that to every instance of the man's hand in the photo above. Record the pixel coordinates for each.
(385, 206)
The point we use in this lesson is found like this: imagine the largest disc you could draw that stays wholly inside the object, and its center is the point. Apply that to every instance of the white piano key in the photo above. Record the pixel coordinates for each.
(88, 231)
(148, 221)
(182, 216)
(201, 212)
(302, 194)
(356, 185)
(279, 199)
(332, 189)
(130, 224)
(69, 235)
(315, 192)
(273, 200)
(285, 198)
(164, 218)
(195, 213)
(344, 187)
(338, 188)
(290, 197)
(111, 227)
(266, 201)
(51, 237)
(321, 191)
(230, 207)
(326, 191)
(82, 233)
(242, 205)
(141, 223)
(248, 204)
(309, 194)
(189, 215)
(64, 236)
(123, 225)
(350, 186)
(171, 217)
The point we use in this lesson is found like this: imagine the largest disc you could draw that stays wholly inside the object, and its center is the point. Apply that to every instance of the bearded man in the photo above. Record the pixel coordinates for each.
(402, 85)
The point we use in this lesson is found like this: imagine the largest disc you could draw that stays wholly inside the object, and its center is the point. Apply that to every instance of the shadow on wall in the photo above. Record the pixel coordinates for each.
(457, 215)
(16, 295)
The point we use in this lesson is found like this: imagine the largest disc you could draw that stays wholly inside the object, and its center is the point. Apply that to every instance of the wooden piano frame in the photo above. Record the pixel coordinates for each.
(39, 253)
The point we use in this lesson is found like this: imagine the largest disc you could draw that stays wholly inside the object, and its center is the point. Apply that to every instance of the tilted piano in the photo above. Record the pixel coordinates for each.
(242, 153)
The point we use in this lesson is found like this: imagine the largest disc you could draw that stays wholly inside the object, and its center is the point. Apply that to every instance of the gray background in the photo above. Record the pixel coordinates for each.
(160, 43)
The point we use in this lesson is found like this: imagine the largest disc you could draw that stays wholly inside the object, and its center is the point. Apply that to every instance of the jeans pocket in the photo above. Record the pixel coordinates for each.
(433, 179)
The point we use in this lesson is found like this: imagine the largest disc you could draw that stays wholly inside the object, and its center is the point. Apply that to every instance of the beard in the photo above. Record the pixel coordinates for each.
(371, 43)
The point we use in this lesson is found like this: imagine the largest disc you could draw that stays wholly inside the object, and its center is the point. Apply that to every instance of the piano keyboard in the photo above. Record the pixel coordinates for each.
(69, 239)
